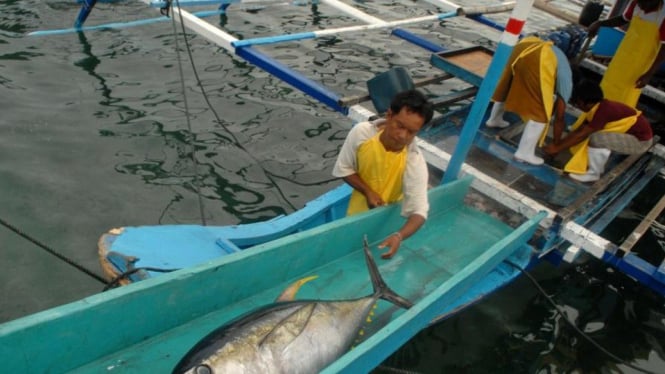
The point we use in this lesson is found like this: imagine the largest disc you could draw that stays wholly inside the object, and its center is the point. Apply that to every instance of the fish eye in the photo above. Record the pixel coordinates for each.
(203, 369)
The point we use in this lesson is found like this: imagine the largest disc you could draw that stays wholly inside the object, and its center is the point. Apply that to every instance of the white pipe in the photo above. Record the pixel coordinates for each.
(205, 29)
(353, 11)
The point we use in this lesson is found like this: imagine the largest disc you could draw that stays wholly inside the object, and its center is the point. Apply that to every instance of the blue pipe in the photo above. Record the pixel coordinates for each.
(119, 25)
(274, 39)
(418, 40)
(486, 21)
(292, 77)
(478, 108)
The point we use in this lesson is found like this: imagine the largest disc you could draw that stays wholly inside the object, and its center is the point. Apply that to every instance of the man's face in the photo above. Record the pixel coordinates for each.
(400, 129)
(583, 106)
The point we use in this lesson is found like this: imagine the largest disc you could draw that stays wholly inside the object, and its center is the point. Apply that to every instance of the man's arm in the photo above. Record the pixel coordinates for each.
(393, 242)
(610, 22)
(373, 198)
(415, 205)
(577, 136)
(559, 119)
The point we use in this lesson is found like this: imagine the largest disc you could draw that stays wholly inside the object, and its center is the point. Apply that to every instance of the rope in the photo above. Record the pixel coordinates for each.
(218, 119)
(192, 149)
(571, 324)
(51, 251)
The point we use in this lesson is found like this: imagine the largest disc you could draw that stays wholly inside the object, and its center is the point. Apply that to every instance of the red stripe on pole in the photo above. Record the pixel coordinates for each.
(514, 26)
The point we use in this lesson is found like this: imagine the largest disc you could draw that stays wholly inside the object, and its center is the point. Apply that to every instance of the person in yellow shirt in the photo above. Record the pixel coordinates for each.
(640, 53)
(605, 126)
(383, 165)
(536, 84)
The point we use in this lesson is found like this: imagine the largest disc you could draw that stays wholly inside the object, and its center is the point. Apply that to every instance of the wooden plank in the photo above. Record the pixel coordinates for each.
(635, 236)
(562, 14)
(468, 64)
(568, 212)
(455, 97)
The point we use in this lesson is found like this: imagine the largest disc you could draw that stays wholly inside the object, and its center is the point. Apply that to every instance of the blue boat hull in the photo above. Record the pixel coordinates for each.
(151, 324)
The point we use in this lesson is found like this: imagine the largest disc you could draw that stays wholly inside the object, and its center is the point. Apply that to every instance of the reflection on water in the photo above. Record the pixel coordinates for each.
(227, 167)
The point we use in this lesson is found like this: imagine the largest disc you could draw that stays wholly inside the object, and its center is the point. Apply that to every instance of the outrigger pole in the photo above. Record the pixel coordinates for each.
(479, 107)
(86, 8)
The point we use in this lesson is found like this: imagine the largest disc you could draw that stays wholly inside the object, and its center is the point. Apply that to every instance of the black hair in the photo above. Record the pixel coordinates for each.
(415, 101)
(587, 91)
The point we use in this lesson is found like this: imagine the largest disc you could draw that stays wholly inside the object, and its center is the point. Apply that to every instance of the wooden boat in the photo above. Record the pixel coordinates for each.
(577, 213)
(150, 325)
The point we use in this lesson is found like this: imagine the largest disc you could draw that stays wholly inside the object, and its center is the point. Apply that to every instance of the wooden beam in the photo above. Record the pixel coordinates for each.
(635, 236)
(562, 14)
(567, 213)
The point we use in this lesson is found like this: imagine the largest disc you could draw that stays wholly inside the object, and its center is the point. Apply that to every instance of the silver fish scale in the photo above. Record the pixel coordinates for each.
(303, 338)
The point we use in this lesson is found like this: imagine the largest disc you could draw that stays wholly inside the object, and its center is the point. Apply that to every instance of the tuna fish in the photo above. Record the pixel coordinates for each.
(288, 336)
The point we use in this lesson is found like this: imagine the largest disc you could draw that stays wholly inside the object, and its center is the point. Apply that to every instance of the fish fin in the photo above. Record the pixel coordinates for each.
(381, 289)
(290, 327)
(290, 292)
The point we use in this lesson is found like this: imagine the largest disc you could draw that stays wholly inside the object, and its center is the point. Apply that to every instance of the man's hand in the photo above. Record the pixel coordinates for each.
(550, 150)
(593, 28)
(392, 242)
(374, 200)
(643, 80)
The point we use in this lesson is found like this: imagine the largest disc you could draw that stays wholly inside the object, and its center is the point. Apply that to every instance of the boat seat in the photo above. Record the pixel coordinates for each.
(383, 87)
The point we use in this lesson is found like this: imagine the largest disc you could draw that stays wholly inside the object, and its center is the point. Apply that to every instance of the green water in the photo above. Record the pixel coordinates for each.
(93, 135)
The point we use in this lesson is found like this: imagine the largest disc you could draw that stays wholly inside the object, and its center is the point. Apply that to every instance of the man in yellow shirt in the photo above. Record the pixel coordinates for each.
(640, 53)
(536, 84)
(383, 165)
(606, 126)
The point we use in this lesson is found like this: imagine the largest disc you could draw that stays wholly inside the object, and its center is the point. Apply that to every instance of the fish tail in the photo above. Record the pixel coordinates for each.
(381, 289)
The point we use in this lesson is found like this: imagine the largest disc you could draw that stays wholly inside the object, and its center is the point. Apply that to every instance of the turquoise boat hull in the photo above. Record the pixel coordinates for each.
(150, 325)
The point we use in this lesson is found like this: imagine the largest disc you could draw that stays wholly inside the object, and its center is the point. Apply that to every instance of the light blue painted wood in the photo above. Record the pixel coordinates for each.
(149, 325)
(441, 60)
(472, 122)
(378, 347)
(180, 246)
